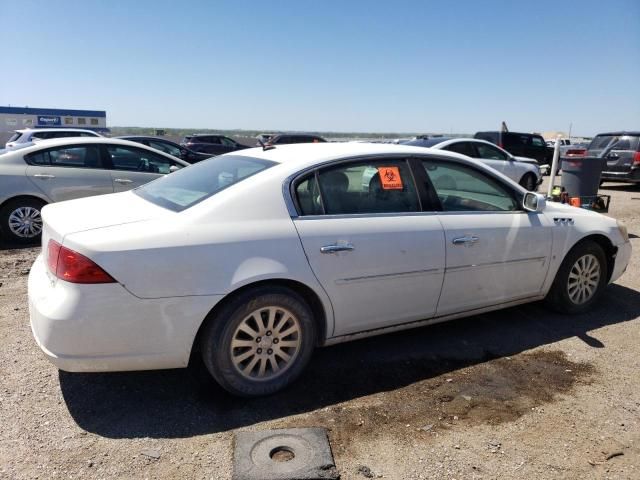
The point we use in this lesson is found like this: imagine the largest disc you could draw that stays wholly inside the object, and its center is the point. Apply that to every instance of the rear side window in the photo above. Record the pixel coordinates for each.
(86, 156)
(538, 142)
(14, 137)
(382, 186)
(624, 142)
(189, 186)
(465, 148)
(514, 139)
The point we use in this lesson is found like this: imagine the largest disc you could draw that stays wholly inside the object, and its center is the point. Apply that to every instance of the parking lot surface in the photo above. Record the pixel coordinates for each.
(518, 393)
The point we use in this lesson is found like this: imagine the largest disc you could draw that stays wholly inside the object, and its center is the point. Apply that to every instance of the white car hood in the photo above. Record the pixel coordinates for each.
(64, 218)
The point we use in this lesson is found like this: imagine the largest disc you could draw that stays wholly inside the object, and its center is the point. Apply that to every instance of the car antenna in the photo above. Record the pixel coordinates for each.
(266, 147)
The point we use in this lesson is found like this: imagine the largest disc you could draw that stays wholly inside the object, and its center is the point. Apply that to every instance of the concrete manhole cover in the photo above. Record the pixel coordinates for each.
(286, 454)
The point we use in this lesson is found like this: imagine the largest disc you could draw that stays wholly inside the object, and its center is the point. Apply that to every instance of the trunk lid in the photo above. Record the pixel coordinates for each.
(64, 218)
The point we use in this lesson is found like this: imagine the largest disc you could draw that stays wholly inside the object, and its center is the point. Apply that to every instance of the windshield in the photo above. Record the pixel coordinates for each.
(188, 186)
(624, 142)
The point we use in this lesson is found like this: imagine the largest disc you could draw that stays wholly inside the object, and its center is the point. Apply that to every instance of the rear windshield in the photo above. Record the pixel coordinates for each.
(625, 142)
(188, 186)
(425, 142)
(14, 137)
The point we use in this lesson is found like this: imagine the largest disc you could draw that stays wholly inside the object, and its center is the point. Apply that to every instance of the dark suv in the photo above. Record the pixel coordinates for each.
(520, 144)
(213, 144)
(288, 138)
(622, 151)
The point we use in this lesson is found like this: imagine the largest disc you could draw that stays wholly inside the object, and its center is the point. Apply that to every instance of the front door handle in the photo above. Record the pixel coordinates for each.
(337, 248)
(466, 240)
(44, 175)
(123, 181)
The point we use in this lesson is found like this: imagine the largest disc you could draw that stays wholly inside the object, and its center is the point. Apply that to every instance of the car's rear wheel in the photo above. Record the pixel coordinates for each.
(260, 341)
(580, 280)
(528, 181)
(20, 220)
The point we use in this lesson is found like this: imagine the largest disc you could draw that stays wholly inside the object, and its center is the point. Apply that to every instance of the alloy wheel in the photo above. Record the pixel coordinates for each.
(266, 343)
(584, 278)
(25, 222)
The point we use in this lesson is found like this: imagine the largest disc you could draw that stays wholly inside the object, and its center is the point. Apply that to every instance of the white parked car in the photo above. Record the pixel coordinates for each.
(29, 135)
(35, 174)
(523, 170)
(253, 258)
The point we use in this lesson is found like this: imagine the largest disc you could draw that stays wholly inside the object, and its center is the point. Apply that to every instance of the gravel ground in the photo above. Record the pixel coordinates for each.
(520, 393)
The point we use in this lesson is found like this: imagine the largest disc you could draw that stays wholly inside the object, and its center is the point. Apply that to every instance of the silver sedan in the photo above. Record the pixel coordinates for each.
(63, 169)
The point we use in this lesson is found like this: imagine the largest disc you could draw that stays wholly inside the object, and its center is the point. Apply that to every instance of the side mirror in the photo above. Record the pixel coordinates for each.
(173, 168)
(534, 202)
(183, 152)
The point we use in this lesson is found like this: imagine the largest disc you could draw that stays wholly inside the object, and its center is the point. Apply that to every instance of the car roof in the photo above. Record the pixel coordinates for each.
(25, 130)
(61, 142)
(619, 134)
(305, 155)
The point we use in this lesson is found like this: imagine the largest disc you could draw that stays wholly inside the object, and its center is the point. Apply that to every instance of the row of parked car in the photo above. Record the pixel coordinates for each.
(63, 164)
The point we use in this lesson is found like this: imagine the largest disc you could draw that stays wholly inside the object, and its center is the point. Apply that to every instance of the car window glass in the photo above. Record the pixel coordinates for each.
(87, 156)
(383, 186)
(626, 143)
(463, 188)
(14, 137)
(165, 147)
(465, 148)
(189, 186)
(489, 152)
(41, 135)
(308, 196)
(227, 142)
(139, 160)
(538, 142)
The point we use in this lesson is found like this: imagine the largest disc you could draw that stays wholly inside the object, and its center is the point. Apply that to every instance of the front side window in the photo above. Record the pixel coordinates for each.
(165, 147)
(87, 156)
(489, 152)
(227, 142)
(463, 188)
(139, 160)
(189, 186)
(381, 186)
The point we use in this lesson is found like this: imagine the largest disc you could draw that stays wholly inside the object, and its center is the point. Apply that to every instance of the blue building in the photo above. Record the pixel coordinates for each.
(16, 118)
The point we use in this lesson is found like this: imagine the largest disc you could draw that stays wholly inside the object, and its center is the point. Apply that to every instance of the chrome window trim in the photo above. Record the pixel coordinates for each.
(289, 193)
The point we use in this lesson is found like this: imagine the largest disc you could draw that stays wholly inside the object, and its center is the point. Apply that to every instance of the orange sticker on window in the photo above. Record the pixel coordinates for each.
(390, 178)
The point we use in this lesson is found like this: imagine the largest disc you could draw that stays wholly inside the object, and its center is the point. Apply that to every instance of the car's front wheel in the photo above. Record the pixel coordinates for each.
(528, 181)
(580, 280)
(20, 220)
(260, 341)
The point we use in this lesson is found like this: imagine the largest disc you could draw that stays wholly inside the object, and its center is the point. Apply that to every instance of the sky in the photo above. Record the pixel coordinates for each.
(345, 66)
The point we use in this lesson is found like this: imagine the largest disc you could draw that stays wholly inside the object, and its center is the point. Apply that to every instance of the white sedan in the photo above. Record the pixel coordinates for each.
(525, 171)
(256, 257)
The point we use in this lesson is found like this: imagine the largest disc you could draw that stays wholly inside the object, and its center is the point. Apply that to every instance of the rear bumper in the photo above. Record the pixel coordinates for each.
(622, 261)
(98, 328)
(631, 176)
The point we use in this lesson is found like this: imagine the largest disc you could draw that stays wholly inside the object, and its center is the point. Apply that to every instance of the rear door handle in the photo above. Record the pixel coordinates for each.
(466, 240)
(44, 175)
(122, 180)
(337, 248)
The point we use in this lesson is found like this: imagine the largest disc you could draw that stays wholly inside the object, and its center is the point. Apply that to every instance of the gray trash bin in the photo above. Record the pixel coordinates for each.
(581, 175)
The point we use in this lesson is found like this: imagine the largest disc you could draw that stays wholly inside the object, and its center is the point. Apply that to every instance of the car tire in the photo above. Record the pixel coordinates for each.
(243, 344)
(20, 220)
(580, 280)
(528, 181)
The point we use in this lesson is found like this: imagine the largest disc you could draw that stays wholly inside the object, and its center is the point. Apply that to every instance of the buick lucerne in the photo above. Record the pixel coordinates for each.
(254, 258)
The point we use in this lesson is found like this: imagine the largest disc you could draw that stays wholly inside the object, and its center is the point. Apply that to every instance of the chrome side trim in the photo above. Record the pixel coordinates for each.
(491, 264)
(430, 321)
(366, 278)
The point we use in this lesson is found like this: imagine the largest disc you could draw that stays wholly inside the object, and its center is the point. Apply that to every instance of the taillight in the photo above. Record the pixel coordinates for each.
(576, 152)
(73, 267)
(636, 159)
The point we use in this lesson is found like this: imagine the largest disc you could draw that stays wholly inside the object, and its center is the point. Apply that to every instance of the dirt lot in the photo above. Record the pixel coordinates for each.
(521, 393)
